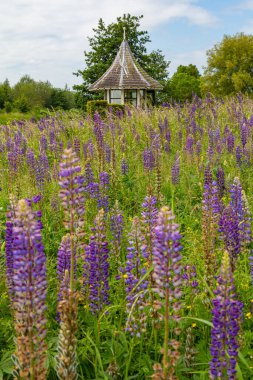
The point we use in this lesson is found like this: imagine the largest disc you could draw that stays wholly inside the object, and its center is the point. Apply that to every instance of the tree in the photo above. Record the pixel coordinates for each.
(184, 83)
(5, 93)
(36, 93)
(104, 46)
(191, 70)
(229, 66)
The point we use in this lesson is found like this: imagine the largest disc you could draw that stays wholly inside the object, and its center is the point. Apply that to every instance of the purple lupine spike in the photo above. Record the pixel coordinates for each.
(96, 266)
(198, 148)
(108, 153)
(240, 205)
(124, 167)
(43, 144)
(148, 223)
(89, 176)
(132, 274)
(103, 199)
(72, 192)
(175, 170)
(210, 218)
(208, 176)
(244, 129)
(220, 175)
(63, 261)
(29, 300)
(236, 198)
(116, 227)
(168, 280)
(13, 161)
(238, 154)
(9, 247)
(30, 160)
(77, 146)
(64, 264)
(230, 142)
(229, 228)
(190, 275)
(227, 317)
(148, 160)
(189, 144)
(72, 197)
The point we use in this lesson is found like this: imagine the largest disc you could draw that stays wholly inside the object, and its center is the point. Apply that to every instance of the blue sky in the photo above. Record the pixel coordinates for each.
(46, 39)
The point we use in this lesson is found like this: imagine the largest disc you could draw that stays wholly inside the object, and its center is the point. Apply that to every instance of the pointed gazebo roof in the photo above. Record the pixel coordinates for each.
(125, 73)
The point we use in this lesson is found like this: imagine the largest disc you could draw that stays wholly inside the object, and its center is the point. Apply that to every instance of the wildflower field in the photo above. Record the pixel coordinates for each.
(126, 244)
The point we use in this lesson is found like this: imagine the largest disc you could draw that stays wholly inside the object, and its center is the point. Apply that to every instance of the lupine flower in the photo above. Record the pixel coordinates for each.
(168, 280)
(124, 167)
(103, 200)
(96, 266)
(132, 273)
(244, 133)
(190, 275)
(63, 263)
(208, 176)
(175, 170)
(220, 175)
(241, 207)
(148, 223)
(77, 146)
(29, 286)
(66, 359)
(230, 142)
(116, 227)
(72, 197)
(227, 315)
(9, 247)
(189, 144)
(229, 228)
(238, 153)
(148, 160)
(210, 219)
(72, 190)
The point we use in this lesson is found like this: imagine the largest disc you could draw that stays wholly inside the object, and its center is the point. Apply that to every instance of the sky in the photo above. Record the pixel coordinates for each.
(45, 39)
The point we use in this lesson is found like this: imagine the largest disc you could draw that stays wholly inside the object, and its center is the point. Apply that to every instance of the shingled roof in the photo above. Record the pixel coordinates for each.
(125, 73)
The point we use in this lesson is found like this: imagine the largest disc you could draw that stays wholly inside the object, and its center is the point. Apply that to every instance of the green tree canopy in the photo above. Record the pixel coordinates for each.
(5, 93)
(104, 46)
(230, 66)
(184, 83)
(36, 93)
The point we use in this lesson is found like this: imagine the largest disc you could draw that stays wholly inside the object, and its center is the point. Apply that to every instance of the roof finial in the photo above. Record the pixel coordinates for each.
(124, 33)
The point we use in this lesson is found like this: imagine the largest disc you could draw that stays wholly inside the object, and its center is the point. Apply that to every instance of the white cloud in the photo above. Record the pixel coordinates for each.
(46, 39)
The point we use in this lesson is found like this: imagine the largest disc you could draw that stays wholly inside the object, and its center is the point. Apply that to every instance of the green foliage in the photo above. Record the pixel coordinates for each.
(38, 93)
(104, 46)
(63, 99)
(5, 93)
(183, 86)
(100, 106)
(229, 66)
(114, 108)
(191, 70)
(8, 106)
(22, 104)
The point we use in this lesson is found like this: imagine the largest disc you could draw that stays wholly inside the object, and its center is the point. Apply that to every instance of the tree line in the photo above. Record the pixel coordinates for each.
(28, 94)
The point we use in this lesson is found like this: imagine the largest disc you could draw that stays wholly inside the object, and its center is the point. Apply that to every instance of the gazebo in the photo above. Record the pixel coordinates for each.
(125, 82)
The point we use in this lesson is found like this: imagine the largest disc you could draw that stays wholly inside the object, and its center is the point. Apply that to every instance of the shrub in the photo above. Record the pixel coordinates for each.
(8, 106)
(100, 106)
